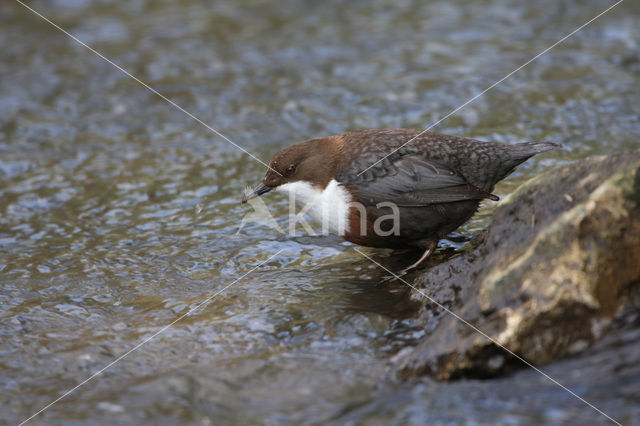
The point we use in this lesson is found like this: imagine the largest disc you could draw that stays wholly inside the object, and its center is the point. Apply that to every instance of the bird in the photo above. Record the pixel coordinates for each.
(393, 188)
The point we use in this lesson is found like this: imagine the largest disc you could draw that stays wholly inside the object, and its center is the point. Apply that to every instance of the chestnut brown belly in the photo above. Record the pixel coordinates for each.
(406, 226)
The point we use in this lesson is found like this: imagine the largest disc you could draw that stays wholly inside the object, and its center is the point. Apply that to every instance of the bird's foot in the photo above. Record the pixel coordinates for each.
(428, 252)
(395, 276)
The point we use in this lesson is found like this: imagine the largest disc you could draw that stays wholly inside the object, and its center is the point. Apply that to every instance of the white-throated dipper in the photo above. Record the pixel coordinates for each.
(412, 198)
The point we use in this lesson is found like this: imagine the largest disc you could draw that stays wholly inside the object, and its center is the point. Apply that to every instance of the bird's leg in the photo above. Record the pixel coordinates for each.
(433, 244)
(428, 252)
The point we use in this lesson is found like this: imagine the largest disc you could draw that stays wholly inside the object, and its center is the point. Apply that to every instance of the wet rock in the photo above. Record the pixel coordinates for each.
(560, 261)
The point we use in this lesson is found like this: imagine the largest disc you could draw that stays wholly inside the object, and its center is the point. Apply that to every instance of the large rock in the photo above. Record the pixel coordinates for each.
(560, 260)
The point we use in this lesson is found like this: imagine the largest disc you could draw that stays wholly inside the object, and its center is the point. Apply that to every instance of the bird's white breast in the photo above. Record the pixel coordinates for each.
(329, 206)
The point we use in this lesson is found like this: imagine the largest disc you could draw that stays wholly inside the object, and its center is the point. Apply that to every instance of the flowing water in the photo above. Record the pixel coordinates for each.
(119, 213)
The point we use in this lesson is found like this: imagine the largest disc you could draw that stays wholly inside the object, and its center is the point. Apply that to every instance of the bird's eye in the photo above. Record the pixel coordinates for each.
(290, 170)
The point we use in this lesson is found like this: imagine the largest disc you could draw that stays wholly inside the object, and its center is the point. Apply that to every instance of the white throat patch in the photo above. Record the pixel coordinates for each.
(328, 207)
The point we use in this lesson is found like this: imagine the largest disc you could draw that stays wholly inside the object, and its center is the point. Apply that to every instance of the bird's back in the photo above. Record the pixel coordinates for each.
(482, 164)
(437, 181)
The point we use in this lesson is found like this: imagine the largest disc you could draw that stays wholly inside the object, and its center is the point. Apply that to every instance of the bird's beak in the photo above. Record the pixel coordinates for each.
(257, 191)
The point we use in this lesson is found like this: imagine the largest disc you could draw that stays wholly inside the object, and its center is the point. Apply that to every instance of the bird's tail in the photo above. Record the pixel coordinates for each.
(519, 153)
(529, 149)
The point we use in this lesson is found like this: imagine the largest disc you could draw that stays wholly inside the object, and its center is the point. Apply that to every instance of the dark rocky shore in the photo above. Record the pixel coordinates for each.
(557, 276)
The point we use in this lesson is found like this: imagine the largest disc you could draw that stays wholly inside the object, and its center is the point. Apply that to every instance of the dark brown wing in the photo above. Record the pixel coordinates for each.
(412, 181)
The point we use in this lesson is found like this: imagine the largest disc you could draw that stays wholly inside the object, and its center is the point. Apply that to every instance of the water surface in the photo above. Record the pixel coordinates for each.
(119, 213)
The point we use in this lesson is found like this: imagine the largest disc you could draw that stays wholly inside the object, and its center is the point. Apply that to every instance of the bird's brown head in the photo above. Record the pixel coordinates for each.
(314, 161)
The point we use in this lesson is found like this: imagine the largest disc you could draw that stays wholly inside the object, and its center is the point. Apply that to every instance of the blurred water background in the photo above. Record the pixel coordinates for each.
(118, 213)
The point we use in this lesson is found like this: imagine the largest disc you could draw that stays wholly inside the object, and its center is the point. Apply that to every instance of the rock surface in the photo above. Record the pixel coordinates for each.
(560, 261)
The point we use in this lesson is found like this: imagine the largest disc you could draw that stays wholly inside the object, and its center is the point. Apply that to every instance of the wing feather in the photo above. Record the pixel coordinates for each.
(412, 181)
